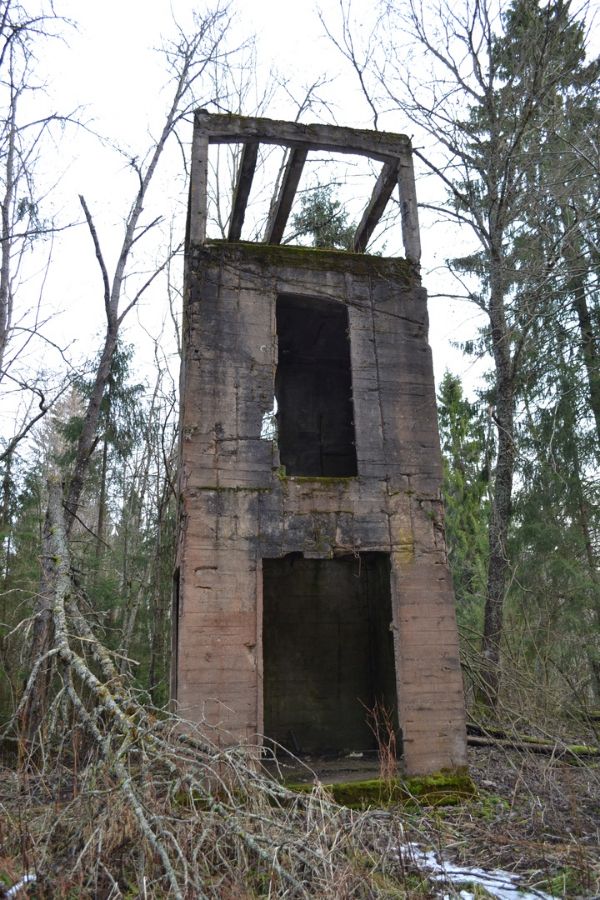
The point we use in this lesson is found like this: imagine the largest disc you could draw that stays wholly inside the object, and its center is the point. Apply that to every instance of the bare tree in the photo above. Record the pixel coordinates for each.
(24, 129)
(189, 59)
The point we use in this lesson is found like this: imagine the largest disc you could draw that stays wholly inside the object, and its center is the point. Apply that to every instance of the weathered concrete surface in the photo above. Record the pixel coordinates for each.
(237, 507)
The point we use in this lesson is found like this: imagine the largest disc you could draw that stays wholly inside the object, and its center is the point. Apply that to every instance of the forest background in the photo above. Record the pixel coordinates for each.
(503, 108)
(502, 102)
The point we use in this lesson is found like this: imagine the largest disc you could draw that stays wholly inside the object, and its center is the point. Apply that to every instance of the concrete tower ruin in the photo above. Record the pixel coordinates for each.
(312, 580)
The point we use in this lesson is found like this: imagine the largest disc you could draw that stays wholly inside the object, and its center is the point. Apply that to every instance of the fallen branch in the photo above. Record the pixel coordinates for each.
(478, 736)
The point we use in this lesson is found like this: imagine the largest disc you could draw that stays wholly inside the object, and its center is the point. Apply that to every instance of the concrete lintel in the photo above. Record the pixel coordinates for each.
(233, 129)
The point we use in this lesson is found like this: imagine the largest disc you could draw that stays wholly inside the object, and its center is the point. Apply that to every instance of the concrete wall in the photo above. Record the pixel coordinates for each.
(238, 508)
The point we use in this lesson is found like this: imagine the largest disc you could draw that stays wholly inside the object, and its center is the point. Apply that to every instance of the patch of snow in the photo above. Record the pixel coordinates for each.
(28, 878)
(499, 884)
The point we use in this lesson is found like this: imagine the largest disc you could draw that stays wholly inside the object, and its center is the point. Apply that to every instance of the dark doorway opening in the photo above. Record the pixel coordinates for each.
(313, 388)
(328, 653)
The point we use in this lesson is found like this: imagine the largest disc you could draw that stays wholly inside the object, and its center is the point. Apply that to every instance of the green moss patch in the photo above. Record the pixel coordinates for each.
(441, 789)
(285, 255)
(321, 481)
(569, 882)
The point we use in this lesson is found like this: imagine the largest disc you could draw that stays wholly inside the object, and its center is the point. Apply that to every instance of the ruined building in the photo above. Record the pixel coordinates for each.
(312, 580)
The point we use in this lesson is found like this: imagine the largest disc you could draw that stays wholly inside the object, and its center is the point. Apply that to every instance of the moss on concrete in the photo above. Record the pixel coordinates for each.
(320, 481)
(285, 256)
(230, 489)
(440, 789)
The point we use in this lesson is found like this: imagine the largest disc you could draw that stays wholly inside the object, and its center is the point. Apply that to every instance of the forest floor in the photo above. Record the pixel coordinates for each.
(533, 815)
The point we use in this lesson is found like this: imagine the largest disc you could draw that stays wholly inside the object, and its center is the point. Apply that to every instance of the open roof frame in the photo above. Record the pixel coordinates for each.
(393, 150)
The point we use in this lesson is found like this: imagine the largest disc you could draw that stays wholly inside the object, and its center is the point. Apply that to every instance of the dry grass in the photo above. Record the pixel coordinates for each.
(229, 830)
(225, 828)
(380, 721)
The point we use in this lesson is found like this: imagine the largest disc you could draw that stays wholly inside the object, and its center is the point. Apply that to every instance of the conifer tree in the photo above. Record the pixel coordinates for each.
(466, 451)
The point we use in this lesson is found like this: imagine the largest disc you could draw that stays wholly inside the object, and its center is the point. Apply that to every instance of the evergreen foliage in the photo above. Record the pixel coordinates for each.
(467, 452)
(529, 189)
(323, 219)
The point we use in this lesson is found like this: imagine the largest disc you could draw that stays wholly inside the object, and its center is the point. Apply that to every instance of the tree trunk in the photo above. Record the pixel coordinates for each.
(100, 524)
(576, 267)
(6, 245)
(5, 522)
(89, 434)
(502, 497)
(34, 712)
(161, 597)
(593, 655)
(589, 342)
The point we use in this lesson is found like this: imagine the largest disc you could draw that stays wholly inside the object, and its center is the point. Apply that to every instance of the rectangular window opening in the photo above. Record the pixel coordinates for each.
(313, 388)
(328, 652)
